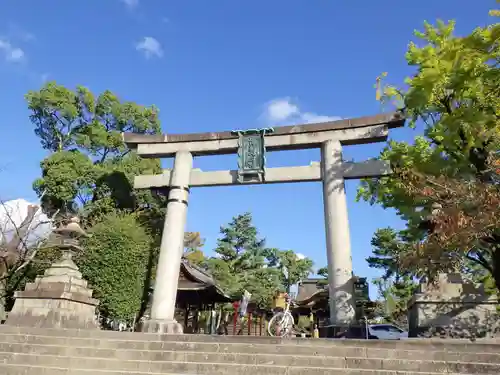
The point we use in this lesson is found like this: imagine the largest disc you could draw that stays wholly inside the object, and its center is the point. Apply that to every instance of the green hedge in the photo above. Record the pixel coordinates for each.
(115, 262)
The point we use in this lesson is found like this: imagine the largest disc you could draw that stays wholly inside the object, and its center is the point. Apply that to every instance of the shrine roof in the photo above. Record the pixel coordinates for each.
(392, 120)
(311, 289)
(197, 273)
(199, 280)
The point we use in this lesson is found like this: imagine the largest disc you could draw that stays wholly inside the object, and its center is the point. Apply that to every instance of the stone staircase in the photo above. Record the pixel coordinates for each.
(36, 351)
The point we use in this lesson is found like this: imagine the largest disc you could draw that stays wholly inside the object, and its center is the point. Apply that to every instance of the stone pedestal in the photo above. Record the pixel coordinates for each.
(169, 327)
(452, 307)
(58, 299)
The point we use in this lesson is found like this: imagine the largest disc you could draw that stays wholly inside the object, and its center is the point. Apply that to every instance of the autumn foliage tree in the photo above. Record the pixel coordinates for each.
(462, 227)
(193, 244)
(445, 185)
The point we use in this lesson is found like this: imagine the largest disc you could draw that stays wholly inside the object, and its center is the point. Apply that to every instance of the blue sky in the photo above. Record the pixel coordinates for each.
(221, 65)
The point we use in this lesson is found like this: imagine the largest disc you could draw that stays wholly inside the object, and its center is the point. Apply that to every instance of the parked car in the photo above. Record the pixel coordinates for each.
(387, 332)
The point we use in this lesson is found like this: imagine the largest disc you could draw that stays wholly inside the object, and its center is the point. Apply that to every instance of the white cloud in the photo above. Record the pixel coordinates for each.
(11, 52)
(150, 47)
(284, 111)
(280, 109)
(300, 256)
(130, 3)
(15, 54)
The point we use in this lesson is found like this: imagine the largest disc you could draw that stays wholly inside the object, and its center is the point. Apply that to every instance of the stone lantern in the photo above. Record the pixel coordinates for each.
(60, 297)
(67, 238)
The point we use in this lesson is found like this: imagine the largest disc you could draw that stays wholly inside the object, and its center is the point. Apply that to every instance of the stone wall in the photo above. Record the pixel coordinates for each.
(452, 307)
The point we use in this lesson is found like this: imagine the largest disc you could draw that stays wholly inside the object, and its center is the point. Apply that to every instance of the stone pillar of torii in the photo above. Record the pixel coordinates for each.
(332, 171)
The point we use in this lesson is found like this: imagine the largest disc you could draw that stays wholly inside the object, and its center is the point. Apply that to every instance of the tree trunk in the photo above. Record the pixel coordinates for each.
(3, 301)
(21, 232)
(496, 263)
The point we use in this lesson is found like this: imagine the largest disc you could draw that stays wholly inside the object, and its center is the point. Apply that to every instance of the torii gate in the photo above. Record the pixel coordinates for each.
(251, 147)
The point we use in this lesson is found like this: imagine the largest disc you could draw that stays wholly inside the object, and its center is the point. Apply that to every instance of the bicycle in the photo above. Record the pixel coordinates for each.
(282, 320)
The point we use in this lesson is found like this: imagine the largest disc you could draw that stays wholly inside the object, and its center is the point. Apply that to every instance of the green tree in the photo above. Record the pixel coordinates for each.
(323, 272)
(65, 119)
(89, 165)
(90, 171)
(115, 263)
(445, 185)
(291, 267)
(240, 263)
(394, 295)
(397, 285)
(263, 283)
(386, 245)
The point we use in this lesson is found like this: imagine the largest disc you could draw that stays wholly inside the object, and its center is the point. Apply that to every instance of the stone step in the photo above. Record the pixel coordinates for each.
(251, 353)
(142, 340)
(37, 370)
(107, 352)
(209, 368)
(240, 358)
(206, 363)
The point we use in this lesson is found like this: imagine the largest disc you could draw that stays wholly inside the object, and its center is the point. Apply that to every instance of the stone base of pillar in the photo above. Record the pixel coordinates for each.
(168, 327)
